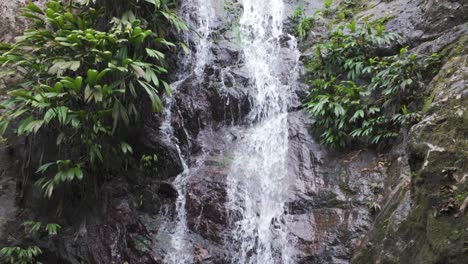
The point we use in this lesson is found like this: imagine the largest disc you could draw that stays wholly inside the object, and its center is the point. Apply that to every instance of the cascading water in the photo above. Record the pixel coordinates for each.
(257, 186)
(200, 14)
(257, 183)
(181, 250)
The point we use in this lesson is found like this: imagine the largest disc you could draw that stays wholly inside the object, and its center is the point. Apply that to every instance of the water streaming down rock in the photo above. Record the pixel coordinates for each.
(177, 239)
(199, 14)
(258, 185)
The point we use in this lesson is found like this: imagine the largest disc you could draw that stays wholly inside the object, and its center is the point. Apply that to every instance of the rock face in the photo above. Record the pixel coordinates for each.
(423, 222)
(359, 206)
(8, 207)
(333, 208)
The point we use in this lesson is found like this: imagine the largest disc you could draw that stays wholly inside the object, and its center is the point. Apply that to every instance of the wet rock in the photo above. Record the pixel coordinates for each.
(206, 200)
(202, 255)
(167, 190)
(8, 208)
(418, 223)
(330, 214)
(437, 23)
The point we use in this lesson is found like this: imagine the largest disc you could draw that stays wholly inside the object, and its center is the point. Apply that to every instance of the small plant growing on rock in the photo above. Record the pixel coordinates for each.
(327, 11)
(21, 255)
(304, 23)
(28, 254)
(373, 206)
(147, 161)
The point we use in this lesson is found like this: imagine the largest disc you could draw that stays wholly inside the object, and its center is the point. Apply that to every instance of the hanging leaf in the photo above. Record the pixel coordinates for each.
(155, 100)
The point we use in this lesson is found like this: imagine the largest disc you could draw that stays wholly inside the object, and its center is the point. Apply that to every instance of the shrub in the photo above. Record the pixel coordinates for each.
(82, 86)
(357, 93)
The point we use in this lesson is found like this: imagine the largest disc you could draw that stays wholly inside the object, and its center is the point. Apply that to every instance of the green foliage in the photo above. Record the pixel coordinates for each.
(373, 206)
(147, 161)
(347, 9)
(461, 195)
(28, 254)
(21, 255)
(357, 94)
(304, 27)
(327, 11)
(83, 86)
(298, 13)
(304, 23)
(33, 227)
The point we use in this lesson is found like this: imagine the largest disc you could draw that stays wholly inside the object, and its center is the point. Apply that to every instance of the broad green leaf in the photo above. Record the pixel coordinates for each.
(62, 114)
(155, 54)
(155, 100)
(167, 88)
(139, 72)
(34, 8)
(92, 77)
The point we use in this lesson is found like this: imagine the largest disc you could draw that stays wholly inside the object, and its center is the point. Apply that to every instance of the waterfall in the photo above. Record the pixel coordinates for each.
(257, 186)
(257, 182)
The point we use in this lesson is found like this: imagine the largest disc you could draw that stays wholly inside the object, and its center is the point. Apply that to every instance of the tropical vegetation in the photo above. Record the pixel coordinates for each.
(357, 91)
(86, 72)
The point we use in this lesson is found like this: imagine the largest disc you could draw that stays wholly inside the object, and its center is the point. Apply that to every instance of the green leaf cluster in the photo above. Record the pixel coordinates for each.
(84, 83)
(28, 254)
(304, 23)
(21, 255)
(33, 227)
(357, 94)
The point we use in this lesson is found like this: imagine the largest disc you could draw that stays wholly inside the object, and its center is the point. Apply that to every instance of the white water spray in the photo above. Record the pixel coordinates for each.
(257, 184)
(181, 251)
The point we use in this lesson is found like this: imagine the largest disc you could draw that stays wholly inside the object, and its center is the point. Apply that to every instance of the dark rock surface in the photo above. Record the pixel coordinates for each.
(422, 223)
(8, 208)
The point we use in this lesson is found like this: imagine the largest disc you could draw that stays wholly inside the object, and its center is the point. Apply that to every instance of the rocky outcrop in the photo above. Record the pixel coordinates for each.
(359, 203)
(337, 199)
(423, 220)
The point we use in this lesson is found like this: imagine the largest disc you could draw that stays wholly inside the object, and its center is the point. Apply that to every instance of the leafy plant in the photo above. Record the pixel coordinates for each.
(358, 94)
(304, 27)
(461, 196)
(83, 86)
(21, 255)
(304, 23)
(33, 227)
(373, 206)
(298, 13)
(346, 9)
(28, 254)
